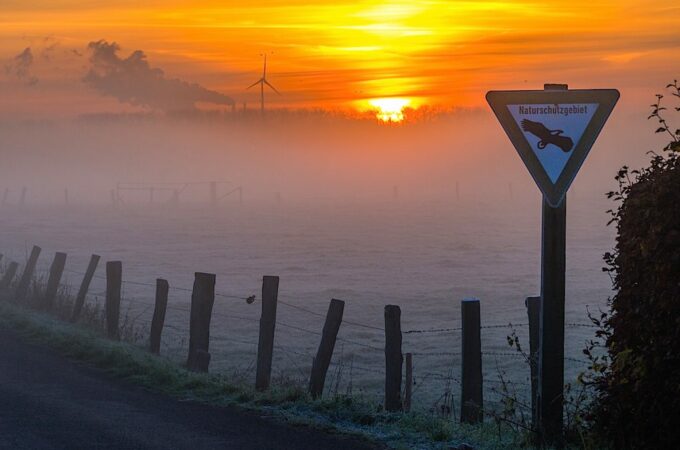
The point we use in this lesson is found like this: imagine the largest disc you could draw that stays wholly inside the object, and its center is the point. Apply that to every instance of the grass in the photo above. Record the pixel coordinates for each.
(289, 403)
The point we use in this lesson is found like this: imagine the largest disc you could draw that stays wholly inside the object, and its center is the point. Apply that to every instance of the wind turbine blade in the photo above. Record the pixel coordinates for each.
(264, 70)
(273, 88)
(255, 83)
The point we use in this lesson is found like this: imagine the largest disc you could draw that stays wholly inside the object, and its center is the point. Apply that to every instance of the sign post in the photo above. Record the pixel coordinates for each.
(553, 131)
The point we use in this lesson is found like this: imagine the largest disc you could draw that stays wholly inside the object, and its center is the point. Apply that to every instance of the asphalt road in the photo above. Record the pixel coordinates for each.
(49, 402)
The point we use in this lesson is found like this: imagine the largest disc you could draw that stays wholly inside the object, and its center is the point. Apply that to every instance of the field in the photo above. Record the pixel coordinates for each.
(423, 256)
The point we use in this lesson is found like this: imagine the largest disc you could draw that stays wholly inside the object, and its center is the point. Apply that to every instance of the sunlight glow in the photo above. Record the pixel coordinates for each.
(389, 109)
(339, 55)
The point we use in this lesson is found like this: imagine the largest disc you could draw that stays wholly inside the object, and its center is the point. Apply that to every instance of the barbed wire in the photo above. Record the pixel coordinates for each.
(433, 330)
(576, 360)
(347, 322)
(300, 308)
(509, 354)
(176, 288)
(580, 325)
(435, 353)
(349, 341)
(363, 325)
(287, 350)
(496, 326)
(344, 321)
(447, 330)
(252, 319)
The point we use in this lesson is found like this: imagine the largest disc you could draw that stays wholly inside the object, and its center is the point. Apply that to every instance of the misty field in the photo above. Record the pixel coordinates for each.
(423, 257)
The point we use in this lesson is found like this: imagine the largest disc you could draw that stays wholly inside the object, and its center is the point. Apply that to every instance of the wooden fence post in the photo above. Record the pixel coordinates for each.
(114, 281)
(162, 289)
(1, 256)
(408, 389)
(56, 270)
(84, 286)
(27, 275)
(9, 274)
(393, 358)
(202, 300)
(325, 351)
(265, 347)
(471, 393)
(533, 305)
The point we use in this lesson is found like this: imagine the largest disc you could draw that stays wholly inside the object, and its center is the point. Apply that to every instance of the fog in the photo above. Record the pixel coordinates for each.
(421, 215)
(294, 157)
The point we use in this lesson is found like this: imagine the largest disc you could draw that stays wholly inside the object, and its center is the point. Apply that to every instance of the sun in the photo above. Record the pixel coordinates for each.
(389, 109)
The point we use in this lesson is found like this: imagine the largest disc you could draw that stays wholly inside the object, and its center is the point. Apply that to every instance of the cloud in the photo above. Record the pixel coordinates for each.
(132, 80)
(20, 67)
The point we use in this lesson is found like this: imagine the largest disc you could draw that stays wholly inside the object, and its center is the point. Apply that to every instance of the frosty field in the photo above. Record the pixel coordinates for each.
(424, 256)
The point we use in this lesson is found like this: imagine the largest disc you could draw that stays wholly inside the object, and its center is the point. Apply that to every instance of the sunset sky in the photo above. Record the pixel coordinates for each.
(340, 54)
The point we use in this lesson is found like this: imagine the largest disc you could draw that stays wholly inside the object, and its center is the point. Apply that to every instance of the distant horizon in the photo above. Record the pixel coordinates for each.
(65, 59)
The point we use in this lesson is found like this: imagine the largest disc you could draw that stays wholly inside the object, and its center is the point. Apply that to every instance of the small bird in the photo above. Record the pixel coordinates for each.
(547, 136)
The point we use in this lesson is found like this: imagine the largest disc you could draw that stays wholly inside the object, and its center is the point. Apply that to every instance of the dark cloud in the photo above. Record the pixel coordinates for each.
(20, 67)
(132, 80)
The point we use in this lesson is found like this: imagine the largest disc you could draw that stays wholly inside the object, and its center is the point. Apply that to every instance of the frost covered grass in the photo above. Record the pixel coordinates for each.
(288, 402)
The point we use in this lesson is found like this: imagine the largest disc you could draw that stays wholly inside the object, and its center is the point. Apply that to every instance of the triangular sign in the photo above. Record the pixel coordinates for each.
(553, 131)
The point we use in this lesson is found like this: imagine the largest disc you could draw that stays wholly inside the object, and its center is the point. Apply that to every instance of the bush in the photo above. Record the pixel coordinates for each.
(637, 384)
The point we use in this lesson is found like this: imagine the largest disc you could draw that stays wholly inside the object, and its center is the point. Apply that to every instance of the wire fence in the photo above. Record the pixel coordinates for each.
(357, 358)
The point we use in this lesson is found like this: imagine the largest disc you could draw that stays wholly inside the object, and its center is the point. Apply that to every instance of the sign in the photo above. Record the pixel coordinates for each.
(553, 131)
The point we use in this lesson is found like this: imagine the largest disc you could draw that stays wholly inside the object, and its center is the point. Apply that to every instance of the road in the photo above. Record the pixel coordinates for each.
(50, 402)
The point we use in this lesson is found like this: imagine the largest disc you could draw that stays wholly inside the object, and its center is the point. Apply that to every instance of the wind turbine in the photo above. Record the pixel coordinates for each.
(262, 81)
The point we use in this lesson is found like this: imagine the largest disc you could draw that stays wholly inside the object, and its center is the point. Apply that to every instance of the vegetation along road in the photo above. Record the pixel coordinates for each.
(49, 402)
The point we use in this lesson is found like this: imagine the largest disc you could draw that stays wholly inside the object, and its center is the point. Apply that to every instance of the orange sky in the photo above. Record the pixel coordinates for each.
(341, 54)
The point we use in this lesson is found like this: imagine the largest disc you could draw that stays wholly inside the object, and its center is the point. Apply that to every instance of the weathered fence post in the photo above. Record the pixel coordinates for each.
(162, 289)
(471, 393)
(202, 300)
(265, 347)
(84, 286)
(1, 256)
(393, 358)
(533, 305)
(114, 281)
(56, 270)
(9, 274)
(408, 389)
(27, 275)
(325, 351)
(5, 194)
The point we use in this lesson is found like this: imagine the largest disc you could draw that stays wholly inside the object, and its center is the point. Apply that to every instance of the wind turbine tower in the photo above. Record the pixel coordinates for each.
(262, 81)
